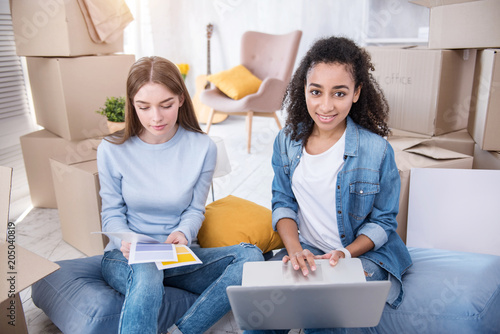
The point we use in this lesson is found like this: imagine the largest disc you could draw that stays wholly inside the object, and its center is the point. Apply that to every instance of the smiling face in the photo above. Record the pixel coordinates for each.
(330, 92)
(157, 109)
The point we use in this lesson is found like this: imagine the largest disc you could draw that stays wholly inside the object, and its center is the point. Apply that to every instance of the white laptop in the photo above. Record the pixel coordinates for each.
(274, 296)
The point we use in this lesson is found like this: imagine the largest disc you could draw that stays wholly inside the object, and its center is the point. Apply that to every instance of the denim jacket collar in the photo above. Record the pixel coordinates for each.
(351, 138)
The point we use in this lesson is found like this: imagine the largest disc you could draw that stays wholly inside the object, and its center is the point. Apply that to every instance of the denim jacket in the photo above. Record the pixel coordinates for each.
(367, 197)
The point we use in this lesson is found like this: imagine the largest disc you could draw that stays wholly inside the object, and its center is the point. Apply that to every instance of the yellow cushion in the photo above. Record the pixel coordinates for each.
(232, 220)
(236, 83)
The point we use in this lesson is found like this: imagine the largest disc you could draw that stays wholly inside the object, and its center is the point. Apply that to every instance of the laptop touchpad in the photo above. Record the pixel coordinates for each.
(291, 276)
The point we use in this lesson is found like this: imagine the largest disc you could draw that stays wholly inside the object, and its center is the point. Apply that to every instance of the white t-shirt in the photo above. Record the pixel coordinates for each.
(313, 184)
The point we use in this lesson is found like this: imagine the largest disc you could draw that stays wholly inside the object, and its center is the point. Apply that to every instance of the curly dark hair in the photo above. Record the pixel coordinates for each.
(370, 111)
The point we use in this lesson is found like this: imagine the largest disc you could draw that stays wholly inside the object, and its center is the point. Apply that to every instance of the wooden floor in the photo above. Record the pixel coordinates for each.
(250, 178)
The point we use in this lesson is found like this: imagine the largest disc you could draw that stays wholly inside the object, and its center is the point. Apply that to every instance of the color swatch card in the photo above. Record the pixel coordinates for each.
(185, 257)
(141, 252)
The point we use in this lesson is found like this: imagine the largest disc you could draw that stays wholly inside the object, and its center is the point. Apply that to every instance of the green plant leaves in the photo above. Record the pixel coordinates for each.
(114, 109)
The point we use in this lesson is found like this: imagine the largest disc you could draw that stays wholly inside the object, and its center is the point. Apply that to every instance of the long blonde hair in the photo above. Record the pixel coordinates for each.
(155, 70)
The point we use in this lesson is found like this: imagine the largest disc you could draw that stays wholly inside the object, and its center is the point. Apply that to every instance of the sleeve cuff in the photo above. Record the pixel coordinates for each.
(186, 234)
(280, 213)
(376, 234)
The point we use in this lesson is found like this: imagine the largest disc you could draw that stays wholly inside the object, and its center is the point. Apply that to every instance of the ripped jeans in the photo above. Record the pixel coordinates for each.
(142, 284)
(372, 272)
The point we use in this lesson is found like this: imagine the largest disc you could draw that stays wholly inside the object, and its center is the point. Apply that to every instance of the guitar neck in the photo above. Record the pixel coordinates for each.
(210, 28)
(208, 57)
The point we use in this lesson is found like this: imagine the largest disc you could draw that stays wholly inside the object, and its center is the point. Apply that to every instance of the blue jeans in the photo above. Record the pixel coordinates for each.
(372, 272)
(142, 285)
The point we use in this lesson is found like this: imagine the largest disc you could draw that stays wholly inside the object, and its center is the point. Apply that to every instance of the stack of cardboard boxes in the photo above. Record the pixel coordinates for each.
(444, 99)
(70, 76)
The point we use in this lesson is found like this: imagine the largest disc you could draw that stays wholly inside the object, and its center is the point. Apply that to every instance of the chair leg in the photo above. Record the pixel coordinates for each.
(249, 129)
(210, 119)
(277, 120)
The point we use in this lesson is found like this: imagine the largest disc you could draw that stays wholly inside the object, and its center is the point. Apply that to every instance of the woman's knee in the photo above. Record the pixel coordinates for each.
(373, 272)
(146, 277)
(115, 271)
(248, 252)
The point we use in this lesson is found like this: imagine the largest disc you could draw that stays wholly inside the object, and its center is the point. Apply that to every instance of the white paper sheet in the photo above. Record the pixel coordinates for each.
(145, 249)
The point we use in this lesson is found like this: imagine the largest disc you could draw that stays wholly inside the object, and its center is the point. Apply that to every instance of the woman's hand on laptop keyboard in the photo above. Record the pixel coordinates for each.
(333, 256)
(301, 260)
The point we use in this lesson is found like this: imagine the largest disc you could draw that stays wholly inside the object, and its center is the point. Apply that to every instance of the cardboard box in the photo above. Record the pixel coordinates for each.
(14, 305)
(457, 141)
(453, 209)
(484, 118)
(485, 159)
(5, 190)
(459, 24)
(76, 185)
(20, 268)
(55, 28)
(68, 91)
(37, 148)
(428, 91)
(415, 153)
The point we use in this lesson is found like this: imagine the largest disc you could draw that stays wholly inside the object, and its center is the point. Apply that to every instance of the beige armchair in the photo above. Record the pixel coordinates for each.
(269, 57)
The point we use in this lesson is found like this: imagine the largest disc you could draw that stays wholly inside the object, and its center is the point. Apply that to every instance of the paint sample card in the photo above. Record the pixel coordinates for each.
(141, 252)
(185, 257)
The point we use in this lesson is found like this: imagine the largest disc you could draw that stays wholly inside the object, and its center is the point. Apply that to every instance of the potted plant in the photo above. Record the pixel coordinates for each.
(114, 110)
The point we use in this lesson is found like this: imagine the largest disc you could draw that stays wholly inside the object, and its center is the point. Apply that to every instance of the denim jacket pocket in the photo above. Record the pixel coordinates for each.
(361, 198)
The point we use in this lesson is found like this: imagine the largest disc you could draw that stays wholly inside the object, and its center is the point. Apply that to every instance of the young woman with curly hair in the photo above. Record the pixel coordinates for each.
(335, 178)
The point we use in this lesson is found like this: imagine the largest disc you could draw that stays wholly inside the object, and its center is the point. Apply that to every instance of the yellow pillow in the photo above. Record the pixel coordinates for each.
(236, 83)
(232, 220)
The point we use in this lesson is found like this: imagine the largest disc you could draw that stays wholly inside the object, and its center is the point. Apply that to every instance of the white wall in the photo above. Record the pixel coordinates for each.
(177, 29)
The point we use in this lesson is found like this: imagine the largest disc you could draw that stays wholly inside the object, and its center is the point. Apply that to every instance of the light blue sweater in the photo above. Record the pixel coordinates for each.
(155, 189)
